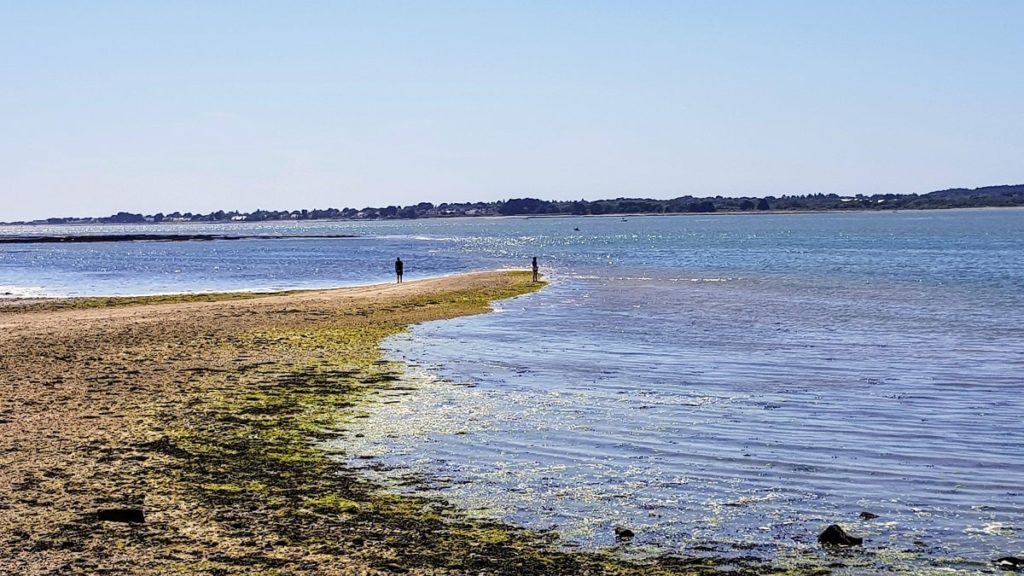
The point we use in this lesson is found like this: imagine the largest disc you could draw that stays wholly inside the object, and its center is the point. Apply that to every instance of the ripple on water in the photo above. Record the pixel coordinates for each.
(717, 427)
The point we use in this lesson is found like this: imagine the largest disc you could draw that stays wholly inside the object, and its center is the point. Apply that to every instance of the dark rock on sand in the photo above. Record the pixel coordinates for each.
(1009, 563)
(623, 533)
(121, 515)
(834, 535)
(868, 515)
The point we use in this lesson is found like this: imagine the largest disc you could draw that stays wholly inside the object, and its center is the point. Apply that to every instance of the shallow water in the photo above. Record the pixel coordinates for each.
(741, 408)
(723, 385)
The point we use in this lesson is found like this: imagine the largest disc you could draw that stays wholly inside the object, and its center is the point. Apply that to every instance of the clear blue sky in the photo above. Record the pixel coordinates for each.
(205, 105)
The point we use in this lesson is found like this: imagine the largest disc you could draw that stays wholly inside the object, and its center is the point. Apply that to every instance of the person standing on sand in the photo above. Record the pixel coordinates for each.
(536, 271)
(399, 269)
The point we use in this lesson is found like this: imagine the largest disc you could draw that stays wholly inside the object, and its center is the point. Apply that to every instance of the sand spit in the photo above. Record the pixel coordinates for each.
(204, 417)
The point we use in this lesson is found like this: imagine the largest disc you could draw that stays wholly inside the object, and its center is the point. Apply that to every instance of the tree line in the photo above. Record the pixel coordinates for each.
(990, 196)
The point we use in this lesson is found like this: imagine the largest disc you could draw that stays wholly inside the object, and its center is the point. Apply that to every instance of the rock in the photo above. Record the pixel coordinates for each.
(623, 533)
(868, 515)
(834, 535)
(121, 515)
(1009, 563)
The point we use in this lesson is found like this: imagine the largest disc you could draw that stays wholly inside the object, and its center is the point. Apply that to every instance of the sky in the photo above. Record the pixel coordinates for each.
(213, 105)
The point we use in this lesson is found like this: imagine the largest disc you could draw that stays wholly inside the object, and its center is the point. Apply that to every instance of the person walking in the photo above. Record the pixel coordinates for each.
(536, 270)
(399, 269)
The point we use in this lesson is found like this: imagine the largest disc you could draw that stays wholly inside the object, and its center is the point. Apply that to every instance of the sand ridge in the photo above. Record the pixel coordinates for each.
(82, 389)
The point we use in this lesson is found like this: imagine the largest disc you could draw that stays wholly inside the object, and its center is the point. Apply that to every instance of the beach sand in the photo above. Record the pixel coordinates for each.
(207, 414)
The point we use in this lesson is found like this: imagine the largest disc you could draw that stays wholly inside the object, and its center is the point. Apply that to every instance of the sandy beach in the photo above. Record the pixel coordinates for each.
(203, 414)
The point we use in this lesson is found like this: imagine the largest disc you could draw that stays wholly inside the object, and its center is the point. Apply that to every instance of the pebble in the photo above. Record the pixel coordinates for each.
(121, 515)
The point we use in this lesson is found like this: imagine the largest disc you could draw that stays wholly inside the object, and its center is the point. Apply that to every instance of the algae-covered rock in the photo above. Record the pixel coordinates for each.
(834, 535)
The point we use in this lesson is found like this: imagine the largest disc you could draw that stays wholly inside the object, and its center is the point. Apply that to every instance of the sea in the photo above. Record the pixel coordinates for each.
(721, 385)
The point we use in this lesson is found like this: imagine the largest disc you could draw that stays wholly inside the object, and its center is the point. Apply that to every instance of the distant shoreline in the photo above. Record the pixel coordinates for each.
(999, 196)
(84, 238)
(723, 213)
(205, 237)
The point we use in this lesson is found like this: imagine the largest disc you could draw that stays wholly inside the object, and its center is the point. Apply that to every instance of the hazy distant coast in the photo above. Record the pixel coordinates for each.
(985, 197)
(82, 238)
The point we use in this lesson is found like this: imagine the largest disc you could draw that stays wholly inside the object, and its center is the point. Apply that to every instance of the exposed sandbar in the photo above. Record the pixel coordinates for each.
(207, 417)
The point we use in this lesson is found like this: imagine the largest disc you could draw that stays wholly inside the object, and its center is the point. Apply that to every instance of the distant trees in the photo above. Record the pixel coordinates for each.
(127, 218)
(952, 198)
(525, 206)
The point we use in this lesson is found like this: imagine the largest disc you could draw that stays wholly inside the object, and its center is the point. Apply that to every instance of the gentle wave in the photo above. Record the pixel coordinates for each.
(27, 292)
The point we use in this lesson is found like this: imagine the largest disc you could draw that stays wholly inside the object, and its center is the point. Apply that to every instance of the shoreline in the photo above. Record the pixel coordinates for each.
(209, 418)
(93, 238)
(15, 301)
(201, 223)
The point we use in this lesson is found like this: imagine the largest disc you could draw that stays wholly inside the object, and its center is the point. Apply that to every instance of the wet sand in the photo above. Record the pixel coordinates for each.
(207, 415)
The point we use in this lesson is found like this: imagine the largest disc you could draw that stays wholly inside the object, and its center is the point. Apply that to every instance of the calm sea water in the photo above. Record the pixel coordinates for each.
(722, 385)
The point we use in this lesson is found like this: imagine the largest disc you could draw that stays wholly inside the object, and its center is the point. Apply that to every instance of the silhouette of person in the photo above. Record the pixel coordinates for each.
(536, 270)
(399, 269)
